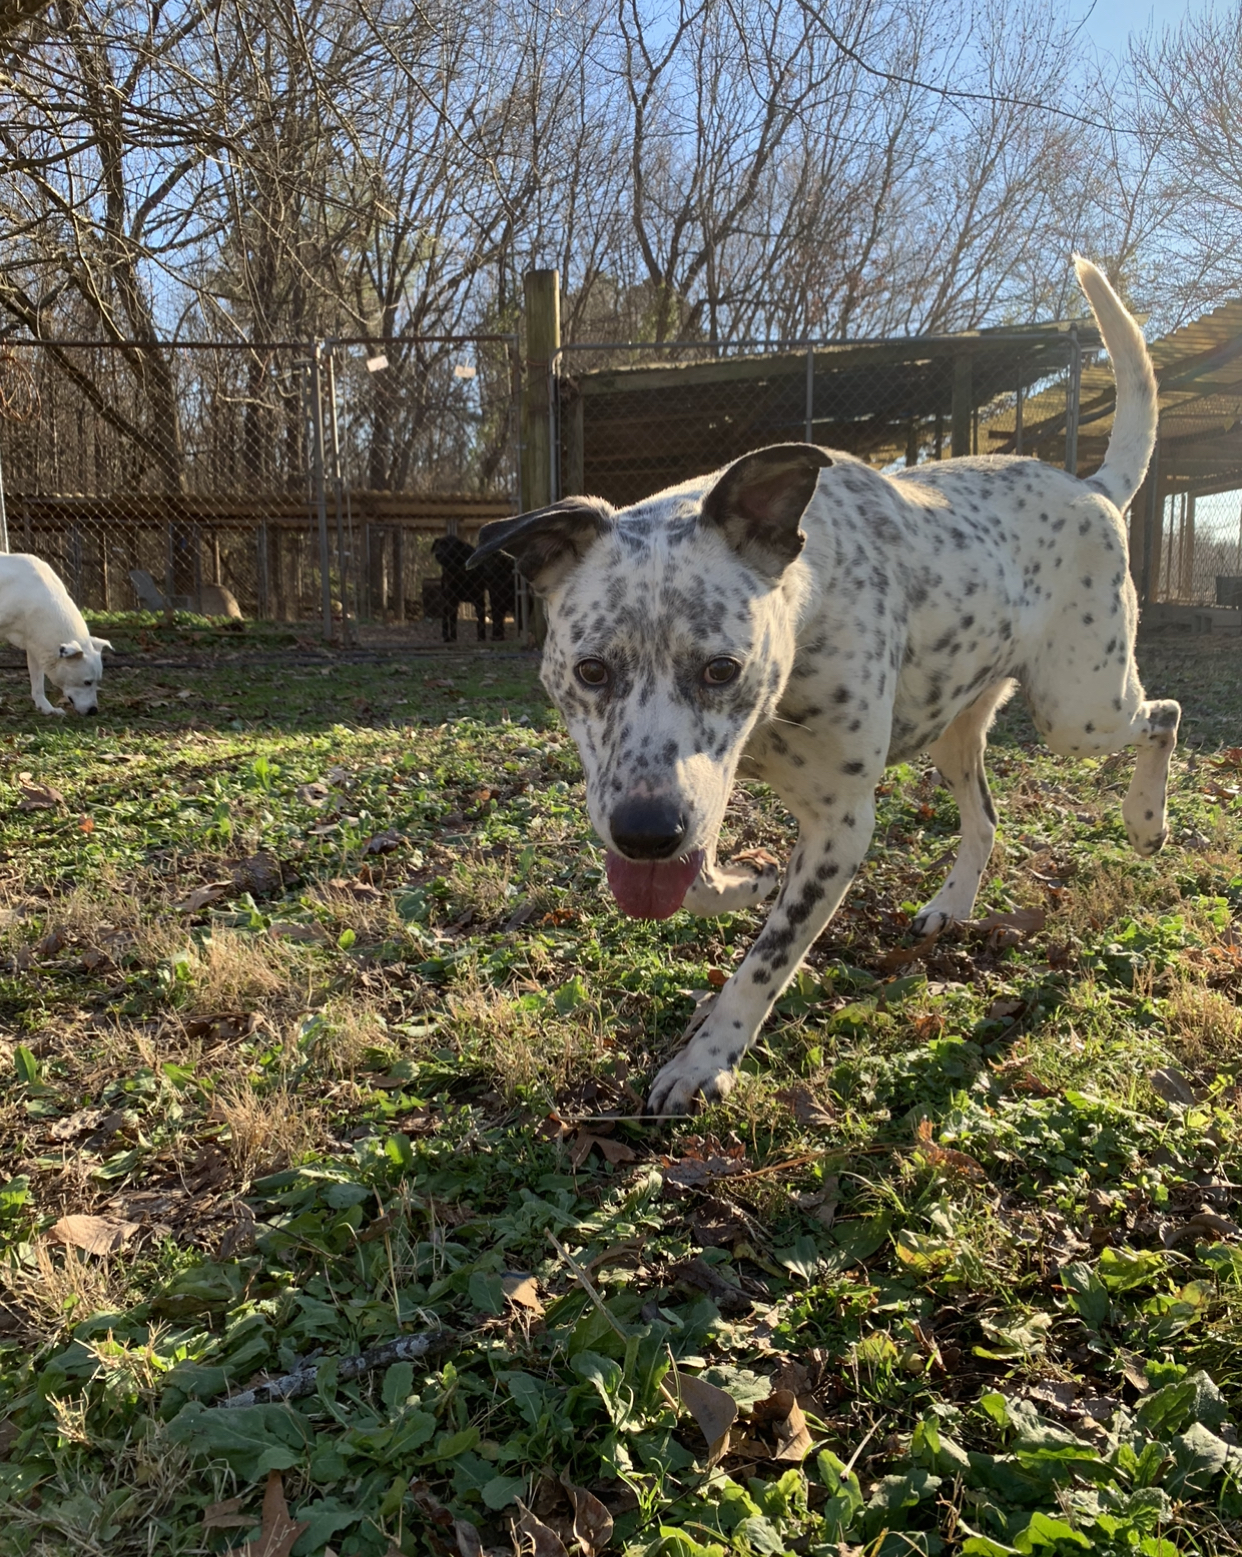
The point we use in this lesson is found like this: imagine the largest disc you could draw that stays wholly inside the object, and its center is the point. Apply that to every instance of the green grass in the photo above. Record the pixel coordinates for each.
(310, 987)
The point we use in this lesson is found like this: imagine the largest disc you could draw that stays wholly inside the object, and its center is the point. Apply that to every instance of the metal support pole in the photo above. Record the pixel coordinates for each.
(810, 394)
(338, 490)
(1152, 518)
(1073, 391)
(315, 407)
(4, 518)
(1017, 421)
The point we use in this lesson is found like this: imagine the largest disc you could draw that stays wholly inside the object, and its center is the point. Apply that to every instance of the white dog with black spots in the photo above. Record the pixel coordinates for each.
(803, 619)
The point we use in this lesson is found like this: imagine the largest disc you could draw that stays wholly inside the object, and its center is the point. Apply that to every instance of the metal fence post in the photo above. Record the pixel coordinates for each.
(315, 397)
(337, 485)
(1073, 391)
(4, 518)
(810, 394)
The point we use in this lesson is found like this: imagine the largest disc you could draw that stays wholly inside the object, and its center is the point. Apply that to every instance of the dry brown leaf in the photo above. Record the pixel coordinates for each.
(469, 1543)
(1008, 929)
(1172, 1086)
(714, 1409)
(781, 1419)
(999, 1009)
(227, 1516)
(592, 1521)
(203, 897)
(224, 1028)
(40, 797)
(945, 1157)
(239, 1237)
(76, 1124)
(612, 1151)
(806, 1108)
(522, 1290)
(537, 1539)
(93, 1234)
(277, 1533)
(53, 942)
(9, 1434)
(383, 843)
(900, 956)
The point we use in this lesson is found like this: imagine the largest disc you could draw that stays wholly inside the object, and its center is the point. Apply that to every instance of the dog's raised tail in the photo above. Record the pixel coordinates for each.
(1134, 422)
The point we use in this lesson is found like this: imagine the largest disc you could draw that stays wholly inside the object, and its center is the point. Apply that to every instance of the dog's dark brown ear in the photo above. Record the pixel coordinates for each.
(759, 502)
(546, 543)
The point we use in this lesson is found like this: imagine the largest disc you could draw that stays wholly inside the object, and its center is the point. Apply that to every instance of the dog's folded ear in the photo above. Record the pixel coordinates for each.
(71, 651)
(547, 542)
(99, 644)
(759, 502)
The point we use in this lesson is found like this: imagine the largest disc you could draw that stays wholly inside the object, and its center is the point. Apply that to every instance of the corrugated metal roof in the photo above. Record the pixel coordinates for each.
(1199, 368)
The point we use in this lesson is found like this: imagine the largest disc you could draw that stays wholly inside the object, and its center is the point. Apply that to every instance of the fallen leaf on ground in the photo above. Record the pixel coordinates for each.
(714, 1409)
(239, 1237)
(383, 843)
(1172, 1086)
(227, 1516)
(259, 875)
(203, 897)
(805, 1106)
(469, 1543)
(891, 961)
(999, 1009)
(277, 1533)
(945, 1157)
(612, 1151)
(1004, 930)
(717, 1225)
(781, 1420)
(54, 941)
(93, 1234)
(537, 1539)
(223, 1028)
(698, 1273)
(40, 797)
(592, 1521)
(522, 1290)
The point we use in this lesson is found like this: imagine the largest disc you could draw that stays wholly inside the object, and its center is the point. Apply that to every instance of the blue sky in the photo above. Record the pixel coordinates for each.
(1111, 21)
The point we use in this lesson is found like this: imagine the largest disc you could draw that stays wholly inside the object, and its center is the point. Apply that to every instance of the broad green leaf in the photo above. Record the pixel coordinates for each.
(1122, 1269)
(252, 1440)
(398, 1383)
(487, 1293)
(1087, 1294)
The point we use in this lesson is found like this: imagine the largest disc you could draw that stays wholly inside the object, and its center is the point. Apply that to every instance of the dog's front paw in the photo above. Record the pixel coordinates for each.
(48, 708)
(694, 1073)
(931, 921)
(724, 891)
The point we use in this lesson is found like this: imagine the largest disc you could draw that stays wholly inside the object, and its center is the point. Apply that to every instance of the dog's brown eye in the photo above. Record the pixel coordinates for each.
(720, 671)
(592, 673)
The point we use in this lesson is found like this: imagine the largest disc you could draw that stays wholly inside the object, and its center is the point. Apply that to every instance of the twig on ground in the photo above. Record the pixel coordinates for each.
(290, 1386)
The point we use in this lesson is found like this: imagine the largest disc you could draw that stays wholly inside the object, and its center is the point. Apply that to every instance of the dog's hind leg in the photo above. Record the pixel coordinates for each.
(1104, 713)
(958, 755)
(720, 890)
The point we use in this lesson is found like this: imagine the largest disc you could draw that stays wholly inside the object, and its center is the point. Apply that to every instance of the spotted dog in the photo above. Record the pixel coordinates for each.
(803, 619)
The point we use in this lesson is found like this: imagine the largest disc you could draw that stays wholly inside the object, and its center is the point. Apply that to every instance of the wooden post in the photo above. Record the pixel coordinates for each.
(963, 404)
(543, 340)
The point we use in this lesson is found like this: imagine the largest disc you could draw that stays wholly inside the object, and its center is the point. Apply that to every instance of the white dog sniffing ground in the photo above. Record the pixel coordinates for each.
(37, 615)
(805, 619)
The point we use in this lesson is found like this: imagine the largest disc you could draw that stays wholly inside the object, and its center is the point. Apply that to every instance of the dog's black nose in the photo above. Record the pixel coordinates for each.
(648, 829)
(89, 711)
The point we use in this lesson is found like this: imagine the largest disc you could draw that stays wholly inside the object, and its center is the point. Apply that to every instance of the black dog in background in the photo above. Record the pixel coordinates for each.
(495, 579)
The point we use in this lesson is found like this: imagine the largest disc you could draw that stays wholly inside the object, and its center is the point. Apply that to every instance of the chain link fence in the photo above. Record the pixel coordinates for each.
(287, 481)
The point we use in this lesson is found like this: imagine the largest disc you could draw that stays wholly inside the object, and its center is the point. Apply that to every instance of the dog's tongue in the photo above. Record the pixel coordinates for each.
(651, 889)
